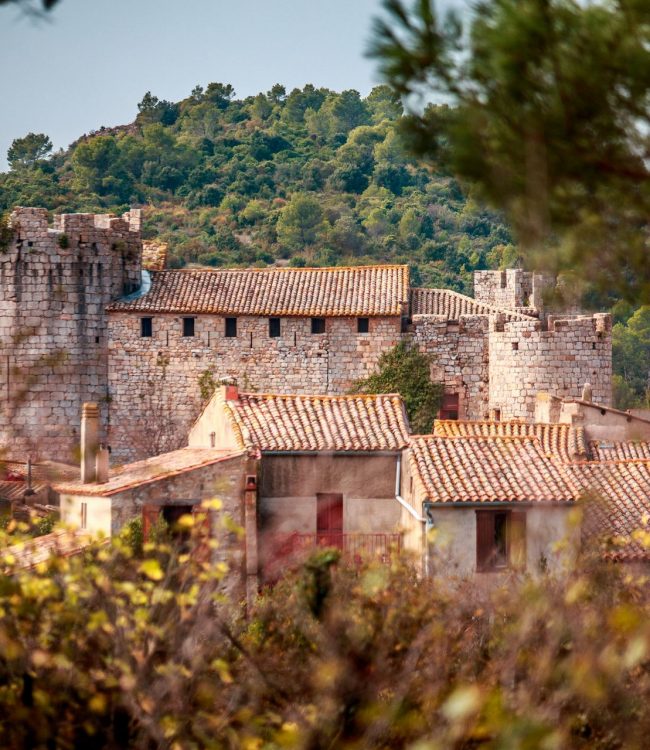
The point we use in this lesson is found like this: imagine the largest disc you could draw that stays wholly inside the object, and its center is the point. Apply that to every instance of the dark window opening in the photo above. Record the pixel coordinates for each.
(363, 325)
(515, 345)
(500, 540)
(97, 339)
(231, 328)
(146, 327)
(318, 325)
(188, 326)
(449, 408)
(274, 327)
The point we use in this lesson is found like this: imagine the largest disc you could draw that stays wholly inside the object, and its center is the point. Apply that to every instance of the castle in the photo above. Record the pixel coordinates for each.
(82, 320)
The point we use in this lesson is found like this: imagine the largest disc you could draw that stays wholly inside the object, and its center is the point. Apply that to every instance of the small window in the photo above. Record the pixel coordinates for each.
(231, 328)
(318, 325)
(274, 327)
(449, 407)
(188, 326)
(363, 325)
(146, 327)
(84, 515)
(500, 540)
(515, 346)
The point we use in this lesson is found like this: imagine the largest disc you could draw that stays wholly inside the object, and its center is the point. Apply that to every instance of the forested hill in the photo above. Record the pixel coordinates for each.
(312, 177)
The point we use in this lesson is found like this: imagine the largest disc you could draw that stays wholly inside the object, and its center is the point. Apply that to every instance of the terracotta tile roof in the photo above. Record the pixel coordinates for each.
(488, 469)
(154, 255)
(11, 491)
(61, 543)
(359, 291)
(154, 469)
(319, 423)
(452, 305)
(617, 504)
(45, 471)
(561, 441)
(625, 450)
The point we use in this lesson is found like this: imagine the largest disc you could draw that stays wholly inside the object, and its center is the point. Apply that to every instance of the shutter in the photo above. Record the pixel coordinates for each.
(518, 539)
(150, 515)
(484, 539)
(203, 531)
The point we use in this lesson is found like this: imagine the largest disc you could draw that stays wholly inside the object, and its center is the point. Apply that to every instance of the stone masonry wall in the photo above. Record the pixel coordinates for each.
(524, 359)
(460, 358)
(55, 284)
(154, 382)
(513, 289)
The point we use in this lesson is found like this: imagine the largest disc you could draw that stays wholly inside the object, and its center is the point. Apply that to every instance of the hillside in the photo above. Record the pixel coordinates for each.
(313, 177)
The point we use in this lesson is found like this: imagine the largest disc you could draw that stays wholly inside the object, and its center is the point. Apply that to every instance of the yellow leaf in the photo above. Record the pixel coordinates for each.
(152, 569)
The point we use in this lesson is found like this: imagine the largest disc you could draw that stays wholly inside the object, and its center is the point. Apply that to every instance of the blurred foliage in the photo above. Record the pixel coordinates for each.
(404, 369)
(108, 650)
(312, 177)
(631, 357)
(547, 115)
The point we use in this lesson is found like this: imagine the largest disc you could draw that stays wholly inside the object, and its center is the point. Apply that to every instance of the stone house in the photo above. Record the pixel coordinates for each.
(327, 468)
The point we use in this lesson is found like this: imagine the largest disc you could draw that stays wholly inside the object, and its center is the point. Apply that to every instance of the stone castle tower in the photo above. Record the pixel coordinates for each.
(54, 288)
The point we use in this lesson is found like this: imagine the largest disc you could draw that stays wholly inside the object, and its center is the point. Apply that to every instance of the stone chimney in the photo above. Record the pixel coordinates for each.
(101, 464)
(89, 441)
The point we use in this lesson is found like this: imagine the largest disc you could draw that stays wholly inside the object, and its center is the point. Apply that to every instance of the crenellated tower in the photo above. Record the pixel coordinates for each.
(55, 284)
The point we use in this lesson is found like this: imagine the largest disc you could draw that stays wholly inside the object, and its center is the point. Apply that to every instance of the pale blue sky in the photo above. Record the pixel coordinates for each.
(91, 62)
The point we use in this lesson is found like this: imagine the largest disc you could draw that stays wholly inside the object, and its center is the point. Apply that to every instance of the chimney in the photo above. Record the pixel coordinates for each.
(101, 464)
(231, 393)
(89, 441)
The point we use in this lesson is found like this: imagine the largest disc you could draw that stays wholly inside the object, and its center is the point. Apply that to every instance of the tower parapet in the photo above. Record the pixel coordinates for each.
(526, 357)
(55, 284)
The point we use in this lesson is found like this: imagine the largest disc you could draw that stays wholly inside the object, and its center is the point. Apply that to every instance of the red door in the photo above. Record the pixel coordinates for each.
(329, 519)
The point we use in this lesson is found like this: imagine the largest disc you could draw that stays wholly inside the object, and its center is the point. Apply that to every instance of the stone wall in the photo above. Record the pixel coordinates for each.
(525, 359)
(55, 284)
(512, 289)
(459, 350)
(154, 382)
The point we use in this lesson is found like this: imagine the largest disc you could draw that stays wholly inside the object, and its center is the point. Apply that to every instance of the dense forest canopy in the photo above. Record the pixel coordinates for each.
(308, 177)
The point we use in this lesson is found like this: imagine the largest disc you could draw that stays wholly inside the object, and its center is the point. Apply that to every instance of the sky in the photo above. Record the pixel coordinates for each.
(91, 61)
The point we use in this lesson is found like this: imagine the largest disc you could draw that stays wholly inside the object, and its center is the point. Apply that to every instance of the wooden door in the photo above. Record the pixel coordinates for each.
(329, 519)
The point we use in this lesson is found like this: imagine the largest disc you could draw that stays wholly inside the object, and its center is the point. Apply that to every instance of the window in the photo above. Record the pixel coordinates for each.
(363, 325)
(231, 328)
(84, 515)
(500, 540)
(188, 326)
(449, 406)
(318, 325)
(146, 327)
(274, 327)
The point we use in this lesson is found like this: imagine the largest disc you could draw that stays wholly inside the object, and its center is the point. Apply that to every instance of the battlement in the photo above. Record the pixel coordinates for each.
(597, 324)
(31, 224)
(512, 289)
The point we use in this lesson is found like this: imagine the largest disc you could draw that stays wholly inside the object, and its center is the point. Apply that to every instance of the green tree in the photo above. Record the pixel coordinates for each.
(404, 369)
(548, 116)
(27, 151)
(631, 359)
(300, 222)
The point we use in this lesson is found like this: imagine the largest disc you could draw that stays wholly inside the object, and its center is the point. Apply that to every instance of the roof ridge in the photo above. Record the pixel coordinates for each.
(270, 269)
(320, 396)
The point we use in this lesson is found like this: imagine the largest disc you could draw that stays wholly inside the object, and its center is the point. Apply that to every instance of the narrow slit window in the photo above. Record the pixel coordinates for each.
(274, 327)
(188, 326)
(84, 515)
(231, 328)
(363, 325)
(146, 327)
(318, 325)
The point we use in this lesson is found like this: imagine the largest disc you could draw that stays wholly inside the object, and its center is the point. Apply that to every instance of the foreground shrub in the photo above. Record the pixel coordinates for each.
(114, 650)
